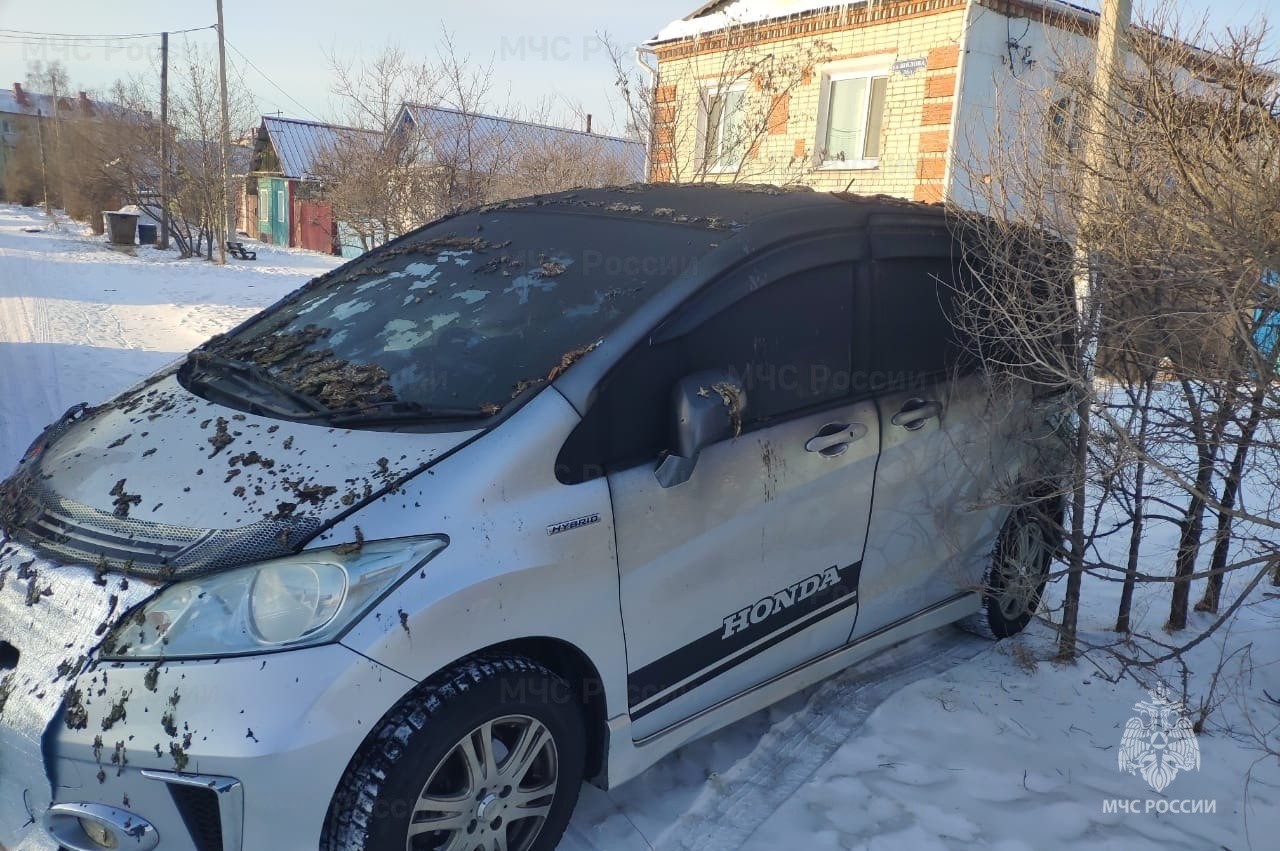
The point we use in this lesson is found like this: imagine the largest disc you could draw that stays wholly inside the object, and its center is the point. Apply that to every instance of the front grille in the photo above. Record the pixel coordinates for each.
(61, 535)
(201, 814)
(67, 531)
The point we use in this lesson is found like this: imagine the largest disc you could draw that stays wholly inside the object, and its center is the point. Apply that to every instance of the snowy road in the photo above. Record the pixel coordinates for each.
(946, 742)
(79, 321)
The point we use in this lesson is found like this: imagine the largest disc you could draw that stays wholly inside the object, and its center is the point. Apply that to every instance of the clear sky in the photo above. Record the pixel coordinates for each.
(540, 51)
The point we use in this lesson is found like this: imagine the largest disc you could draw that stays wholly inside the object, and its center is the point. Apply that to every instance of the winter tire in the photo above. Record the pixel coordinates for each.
(1015, 578)
(488, 756)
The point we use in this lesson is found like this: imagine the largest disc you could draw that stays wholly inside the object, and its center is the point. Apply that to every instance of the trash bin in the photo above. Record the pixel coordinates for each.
(120, 227)
(147, 234)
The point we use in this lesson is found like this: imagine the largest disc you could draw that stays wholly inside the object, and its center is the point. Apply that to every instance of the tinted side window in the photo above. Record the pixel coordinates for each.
(912, 333)
(789, 343)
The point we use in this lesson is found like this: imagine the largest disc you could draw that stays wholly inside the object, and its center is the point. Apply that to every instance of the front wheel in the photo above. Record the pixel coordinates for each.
(488, 756)
(1015, 578)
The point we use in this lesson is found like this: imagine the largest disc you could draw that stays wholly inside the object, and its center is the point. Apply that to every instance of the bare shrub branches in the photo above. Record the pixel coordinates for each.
(1174, 360)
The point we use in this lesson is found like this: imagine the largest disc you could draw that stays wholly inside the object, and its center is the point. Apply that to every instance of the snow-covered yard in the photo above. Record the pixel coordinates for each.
(944, 742)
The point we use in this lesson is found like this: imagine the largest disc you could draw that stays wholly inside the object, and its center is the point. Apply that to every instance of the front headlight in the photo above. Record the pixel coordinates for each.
(299, 601)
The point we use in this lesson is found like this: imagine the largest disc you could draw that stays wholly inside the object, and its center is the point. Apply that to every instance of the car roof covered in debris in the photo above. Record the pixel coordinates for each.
(723, 206)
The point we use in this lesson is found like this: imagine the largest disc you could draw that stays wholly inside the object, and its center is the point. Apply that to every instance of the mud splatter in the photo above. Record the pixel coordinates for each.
(221, 438)
(569, 358)
(731, 396)
(353, 547)
(525, 384)
(74, 713)
(119, 758)
(6, 689)
(549, 269)
(248, 459)
(123, 500)
(118, 711)
(180, 759)
(309, 494)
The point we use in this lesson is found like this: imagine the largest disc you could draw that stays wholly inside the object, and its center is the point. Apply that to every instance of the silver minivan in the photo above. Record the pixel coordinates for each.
(532, 495)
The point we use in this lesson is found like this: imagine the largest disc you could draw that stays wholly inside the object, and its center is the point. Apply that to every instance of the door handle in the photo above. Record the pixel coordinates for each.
(833, 439)
(914, 413)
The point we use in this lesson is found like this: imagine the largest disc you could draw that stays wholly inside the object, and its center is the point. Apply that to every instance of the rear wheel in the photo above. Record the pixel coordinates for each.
(487, 758)
(1015, 578)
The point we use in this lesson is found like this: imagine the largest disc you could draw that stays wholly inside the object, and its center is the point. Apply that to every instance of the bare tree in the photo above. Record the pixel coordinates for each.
(743, 92)
(1186, 244)
(425, 139)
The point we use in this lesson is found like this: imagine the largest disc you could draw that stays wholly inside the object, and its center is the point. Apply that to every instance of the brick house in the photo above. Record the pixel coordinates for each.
(871, 97)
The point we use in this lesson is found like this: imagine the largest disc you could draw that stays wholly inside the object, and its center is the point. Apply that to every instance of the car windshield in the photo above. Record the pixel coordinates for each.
(455, 320)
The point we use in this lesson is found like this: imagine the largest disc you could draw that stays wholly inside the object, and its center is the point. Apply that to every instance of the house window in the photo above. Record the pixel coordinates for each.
(282, 206)
(1062, 126)
(721, 118)
(264, 206)
(851, 119)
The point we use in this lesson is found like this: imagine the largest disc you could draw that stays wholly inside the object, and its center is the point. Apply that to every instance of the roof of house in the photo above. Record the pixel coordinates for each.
(449, 129)
(298, 143)
(715, 15)
(35, 102)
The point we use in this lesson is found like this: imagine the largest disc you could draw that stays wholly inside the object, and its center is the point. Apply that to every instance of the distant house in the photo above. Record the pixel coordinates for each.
(507, 157)
(21, 114)
(284, 198)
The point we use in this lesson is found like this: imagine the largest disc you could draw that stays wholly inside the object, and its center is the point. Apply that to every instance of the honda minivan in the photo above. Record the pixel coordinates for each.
(532, 495)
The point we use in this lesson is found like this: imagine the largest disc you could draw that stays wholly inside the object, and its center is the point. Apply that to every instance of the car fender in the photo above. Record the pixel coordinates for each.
(528, 557)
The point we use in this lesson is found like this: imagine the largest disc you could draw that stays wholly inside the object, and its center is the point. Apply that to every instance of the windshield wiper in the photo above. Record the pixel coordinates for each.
(411, 413)
(253, 376)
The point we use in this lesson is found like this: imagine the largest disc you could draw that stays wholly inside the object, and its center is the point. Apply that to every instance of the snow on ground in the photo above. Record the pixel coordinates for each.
(945, 742)
(80, 321)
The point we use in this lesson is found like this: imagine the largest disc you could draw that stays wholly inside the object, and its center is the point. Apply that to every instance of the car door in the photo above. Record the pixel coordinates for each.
(749, 568)
(937, 505)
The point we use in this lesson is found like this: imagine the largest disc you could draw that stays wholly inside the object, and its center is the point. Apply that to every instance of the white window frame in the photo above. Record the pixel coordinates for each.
(282, 206)
(707, 94)
(868, 68)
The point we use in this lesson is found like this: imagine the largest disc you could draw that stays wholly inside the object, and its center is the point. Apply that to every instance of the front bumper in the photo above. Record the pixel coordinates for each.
(49, 622)
(273, 733)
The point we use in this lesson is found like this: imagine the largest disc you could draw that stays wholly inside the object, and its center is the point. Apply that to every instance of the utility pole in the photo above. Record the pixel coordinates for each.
(225, 218)
(1112, 25)
(1114, 22)
(164, 140)
(44, 163)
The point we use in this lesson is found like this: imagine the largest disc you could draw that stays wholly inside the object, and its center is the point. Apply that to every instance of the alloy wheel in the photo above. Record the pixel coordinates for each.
(492, 791)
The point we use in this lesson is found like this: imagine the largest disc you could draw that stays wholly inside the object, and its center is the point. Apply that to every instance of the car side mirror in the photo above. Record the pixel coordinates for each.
(707, 408)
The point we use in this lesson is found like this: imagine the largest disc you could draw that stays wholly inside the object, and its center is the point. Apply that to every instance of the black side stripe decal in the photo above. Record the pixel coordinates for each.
(707, 657)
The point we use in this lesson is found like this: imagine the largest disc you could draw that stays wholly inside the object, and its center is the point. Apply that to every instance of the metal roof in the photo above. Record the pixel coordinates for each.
(298, 143)
(488, 140)
(49, 105)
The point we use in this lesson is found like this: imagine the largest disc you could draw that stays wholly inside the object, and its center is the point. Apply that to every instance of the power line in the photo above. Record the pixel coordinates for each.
(55, 36)
(264, 76)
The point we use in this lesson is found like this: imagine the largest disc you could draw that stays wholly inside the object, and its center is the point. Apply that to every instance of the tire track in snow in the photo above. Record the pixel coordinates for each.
(732, 805)
(28, 391)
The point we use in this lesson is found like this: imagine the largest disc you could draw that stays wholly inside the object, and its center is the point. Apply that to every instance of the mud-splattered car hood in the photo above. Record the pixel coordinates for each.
(164, 483)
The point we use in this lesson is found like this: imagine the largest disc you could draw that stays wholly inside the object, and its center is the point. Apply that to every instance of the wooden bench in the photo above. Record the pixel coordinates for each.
(237, 249)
